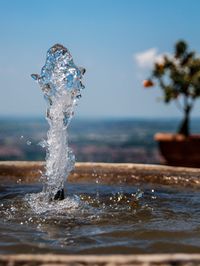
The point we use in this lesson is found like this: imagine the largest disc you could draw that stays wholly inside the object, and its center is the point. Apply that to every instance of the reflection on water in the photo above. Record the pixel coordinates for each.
(99, 219)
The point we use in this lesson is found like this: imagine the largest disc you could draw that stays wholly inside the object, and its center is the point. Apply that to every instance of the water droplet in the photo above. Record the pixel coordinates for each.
(12, 208)
(40, 172)
(39, 226)
(28, 142)
(154, 197)
(42, 143)
(139, 194)
(35, 76)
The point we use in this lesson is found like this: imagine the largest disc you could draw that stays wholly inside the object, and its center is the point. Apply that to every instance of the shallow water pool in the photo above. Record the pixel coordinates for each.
(99, 219)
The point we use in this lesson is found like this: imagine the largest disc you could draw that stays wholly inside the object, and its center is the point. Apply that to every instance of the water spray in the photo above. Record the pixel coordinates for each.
(61, 83)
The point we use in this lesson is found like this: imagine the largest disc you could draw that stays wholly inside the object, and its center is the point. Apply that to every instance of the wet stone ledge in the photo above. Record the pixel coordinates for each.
(105, 260)
(107, 173)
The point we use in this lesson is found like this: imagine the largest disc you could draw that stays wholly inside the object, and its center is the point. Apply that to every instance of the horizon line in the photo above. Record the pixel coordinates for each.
(25, 117)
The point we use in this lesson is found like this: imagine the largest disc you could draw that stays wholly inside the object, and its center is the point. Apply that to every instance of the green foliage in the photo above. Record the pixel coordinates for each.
(178, 75)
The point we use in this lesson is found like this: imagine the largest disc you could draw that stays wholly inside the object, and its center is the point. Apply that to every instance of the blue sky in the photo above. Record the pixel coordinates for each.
(115, 40)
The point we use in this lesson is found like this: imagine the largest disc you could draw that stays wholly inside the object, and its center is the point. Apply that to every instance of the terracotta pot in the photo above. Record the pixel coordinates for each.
(179, 150)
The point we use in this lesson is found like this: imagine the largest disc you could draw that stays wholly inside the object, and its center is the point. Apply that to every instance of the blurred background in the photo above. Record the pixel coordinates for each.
(117, 42)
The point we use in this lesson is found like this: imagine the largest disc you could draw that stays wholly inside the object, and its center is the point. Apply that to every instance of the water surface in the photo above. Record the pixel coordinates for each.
(99, 219)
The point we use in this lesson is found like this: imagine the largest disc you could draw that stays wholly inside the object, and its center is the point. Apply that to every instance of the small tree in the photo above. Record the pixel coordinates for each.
(179, 78)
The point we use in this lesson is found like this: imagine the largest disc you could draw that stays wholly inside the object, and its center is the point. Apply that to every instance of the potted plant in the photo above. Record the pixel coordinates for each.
(178, 76)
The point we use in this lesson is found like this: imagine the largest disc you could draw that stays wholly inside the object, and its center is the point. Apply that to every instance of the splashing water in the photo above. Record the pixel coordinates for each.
(60, 81)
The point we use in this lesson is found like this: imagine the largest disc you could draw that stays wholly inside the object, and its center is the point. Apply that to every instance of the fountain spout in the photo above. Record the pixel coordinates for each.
(61, 83)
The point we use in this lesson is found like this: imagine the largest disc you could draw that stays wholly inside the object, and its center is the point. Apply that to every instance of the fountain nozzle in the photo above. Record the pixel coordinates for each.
(60, 195)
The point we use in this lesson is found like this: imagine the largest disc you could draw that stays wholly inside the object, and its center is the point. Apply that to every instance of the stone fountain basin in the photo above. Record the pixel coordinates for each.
(103, 260)
(29, 172)
(107, 173)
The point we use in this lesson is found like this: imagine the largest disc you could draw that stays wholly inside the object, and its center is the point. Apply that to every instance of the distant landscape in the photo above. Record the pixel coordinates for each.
(106, 140)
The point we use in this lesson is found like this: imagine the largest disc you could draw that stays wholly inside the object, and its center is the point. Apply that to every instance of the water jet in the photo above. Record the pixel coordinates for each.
(61, 83)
